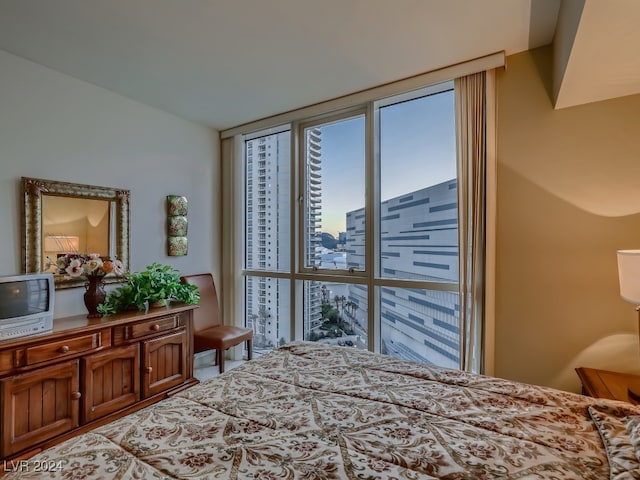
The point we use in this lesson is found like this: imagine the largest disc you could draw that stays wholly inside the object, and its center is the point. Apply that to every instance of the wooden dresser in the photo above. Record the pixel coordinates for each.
(87, 372)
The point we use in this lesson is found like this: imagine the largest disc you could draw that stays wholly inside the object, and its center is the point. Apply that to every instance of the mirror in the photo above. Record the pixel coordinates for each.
(61, 217)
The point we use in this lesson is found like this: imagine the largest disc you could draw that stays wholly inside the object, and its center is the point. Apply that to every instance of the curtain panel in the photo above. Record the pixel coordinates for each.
(470, 101)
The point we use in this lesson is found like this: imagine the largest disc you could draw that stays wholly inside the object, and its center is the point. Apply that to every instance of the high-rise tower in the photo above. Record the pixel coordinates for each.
(267, 196)
(313, 235)
(268, 234)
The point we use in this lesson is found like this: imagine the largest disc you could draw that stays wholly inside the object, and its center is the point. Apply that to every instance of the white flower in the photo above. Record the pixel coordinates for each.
(93, 265)
(75, 268)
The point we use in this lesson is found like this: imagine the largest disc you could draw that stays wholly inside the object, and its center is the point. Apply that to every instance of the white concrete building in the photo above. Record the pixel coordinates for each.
(419, 240)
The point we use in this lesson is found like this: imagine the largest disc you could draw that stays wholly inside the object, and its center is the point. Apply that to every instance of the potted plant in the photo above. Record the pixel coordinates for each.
(154, 286)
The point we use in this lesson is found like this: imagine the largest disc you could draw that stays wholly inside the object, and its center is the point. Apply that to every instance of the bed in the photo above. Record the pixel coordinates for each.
(312, 411)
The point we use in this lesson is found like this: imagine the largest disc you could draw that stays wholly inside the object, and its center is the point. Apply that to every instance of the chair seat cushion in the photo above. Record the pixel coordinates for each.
(220, 337)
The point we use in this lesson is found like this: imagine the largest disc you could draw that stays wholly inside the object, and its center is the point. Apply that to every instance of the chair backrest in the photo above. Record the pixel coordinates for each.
(208, 313)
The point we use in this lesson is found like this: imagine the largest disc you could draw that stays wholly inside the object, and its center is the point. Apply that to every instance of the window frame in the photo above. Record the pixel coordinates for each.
(300, 128)
(233, 193)
(370, 276)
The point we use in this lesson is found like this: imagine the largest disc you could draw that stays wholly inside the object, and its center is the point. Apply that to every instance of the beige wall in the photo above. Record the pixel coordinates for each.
(568, 198)
(56, 127)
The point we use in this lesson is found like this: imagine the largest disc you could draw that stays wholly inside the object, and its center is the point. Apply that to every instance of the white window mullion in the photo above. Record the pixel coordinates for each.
(296, 210)
(372, 234)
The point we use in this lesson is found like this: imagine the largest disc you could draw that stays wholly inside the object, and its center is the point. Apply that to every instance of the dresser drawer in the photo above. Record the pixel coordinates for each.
(7, 360)
(150, 327)
(62, 348)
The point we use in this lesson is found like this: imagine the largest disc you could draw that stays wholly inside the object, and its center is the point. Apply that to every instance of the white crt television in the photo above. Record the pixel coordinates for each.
(26, 304)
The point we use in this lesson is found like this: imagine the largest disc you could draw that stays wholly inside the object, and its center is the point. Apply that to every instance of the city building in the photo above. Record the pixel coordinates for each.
(267, 167)
(419, 241)
(312, 305)
(268, 175)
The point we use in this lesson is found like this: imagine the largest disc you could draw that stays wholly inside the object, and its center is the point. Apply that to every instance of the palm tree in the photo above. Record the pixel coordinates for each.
(260, 324)
(354, 308)
(350, 307)
(339, 300)
(351, 311)
(325, 294)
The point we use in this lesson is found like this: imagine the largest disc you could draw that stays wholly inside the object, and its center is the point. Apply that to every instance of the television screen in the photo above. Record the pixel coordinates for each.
(24, 297)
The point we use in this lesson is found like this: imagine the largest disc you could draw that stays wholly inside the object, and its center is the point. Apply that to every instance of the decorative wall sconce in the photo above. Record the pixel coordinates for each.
(177, 209)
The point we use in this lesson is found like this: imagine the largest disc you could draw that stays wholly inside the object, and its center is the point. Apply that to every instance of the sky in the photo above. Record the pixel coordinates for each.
(417, 150)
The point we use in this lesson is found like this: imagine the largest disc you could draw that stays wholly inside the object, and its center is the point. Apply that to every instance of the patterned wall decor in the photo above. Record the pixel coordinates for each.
(177, 209)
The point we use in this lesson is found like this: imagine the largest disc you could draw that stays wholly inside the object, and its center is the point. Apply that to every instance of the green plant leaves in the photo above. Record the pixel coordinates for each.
(157, 282)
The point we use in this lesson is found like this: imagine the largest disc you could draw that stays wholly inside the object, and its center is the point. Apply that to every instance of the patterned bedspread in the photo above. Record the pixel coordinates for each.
(311, 411)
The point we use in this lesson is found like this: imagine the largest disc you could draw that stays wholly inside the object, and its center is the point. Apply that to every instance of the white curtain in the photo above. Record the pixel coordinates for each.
(470, 100)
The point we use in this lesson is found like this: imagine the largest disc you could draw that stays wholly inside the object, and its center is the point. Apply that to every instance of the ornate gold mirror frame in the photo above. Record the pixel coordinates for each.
(34, 190)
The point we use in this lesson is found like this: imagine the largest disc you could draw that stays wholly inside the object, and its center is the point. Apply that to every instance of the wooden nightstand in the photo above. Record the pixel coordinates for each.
(605, 384)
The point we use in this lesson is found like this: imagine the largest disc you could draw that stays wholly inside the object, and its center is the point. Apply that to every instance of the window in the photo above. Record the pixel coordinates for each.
(267, 199)
(334, 186)
(418, 233)
(267, 196)
(416, 240)
(349, 227)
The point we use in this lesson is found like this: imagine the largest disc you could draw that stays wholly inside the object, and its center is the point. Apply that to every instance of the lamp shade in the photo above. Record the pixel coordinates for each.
(629, 275)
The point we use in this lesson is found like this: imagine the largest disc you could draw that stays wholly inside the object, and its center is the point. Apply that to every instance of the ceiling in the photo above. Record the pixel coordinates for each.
(223, 63)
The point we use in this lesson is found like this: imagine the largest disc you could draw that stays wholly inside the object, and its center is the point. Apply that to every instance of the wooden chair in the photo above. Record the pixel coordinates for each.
(208, 331)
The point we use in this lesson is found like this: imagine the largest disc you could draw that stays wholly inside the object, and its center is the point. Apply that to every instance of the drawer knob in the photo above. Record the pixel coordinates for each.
(64, 349)
(148, 369)
(76, 395)
(155, 327)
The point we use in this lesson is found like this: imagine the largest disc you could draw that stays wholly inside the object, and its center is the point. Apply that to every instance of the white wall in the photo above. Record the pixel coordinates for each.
(55, 127)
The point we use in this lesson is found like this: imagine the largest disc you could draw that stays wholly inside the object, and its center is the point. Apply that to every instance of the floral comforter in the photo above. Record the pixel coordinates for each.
(311, 411)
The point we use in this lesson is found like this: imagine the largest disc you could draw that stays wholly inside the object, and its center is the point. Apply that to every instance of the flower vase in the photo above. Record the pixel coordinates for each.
(94, 295)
